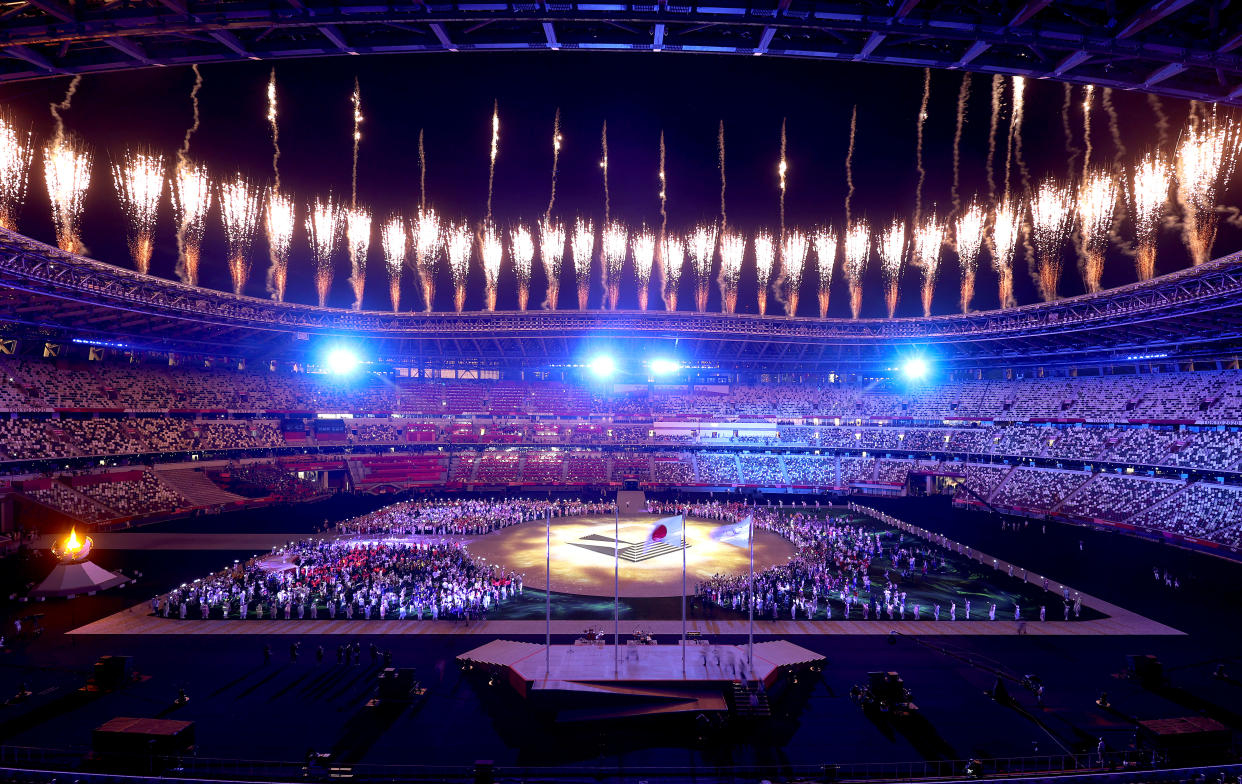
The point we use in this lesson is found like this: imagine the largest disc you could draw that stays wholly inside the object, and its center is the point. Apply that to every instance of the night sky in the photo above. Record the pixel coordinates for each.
(450, 96)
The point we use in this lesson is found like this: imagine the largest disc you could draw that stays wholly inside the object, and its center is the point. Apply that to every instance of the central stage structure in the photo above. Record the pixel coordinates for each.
(593, 681)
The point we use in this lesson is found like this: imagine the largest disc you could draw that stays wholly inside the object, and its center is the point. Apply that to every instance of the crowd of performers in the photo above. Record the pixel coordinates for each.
(466, 517)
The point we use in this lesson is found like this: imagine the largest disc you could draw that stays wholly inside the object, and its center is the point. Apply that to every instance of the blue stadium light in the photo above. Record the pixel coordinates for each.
(602, 366)
(915, 368)
(663, 366)
(341, 361)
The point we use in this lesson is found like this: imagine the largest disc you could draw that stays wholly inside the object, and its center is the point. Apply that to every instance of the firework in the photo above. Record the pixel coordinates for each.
(279, 224)
(581, 247)
(612, 247)
(765, 262)
(67, 172)
(826, 242)
(239, 209)
(782, 169)
(356, 101)
(921, 121)
(191, 192)
(357, 242)
(732, 250)
(522, 251)
(928, 237)
(556, 159)
(1052, 212)
(1097, 200)
(322, 226)
(491, 251)
(16, 154)
(271, 120)
(1205, 161)
(1006, 231)
(393, 240)
(702, 247)
(674, 256)
(603, 165)
(1151, 192)
(969, 232)
(793, 260)
(139, 180)
(892, 248)
(552, 255)
(458, 242)
(491, 166)
(643, 246)
(428, 238)
(857, 249)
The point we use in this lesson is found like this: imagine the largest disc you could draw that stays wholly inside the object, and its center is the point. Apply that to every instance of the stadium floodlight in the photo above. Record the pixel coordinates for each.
(602, 366)
(915, 368)
(341, 361)
(663, 366)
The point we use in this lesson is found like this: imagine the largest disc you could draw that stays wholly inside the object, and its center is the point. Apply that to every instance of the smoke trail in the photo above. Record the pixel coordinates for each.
(963, 95)
(849, 165)
(1071, 150)
(271, 118)
(491, 166)
(1086, 128)
(918, 149)
(556, 158)
(357, 101)
(603, 143)
(1162, 119)
(997, 83)
(1114, 128)
(63, 106)
(663, 196)
(781, 169)
(1019, 113)
(720, 150)
(422, 172)
(184, 150)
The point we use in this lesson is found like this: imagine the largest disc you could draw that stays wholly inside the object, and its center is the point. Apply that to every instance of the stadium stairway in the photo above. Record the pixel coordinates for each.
(999, 485)
(1082, 486)
(193, 485)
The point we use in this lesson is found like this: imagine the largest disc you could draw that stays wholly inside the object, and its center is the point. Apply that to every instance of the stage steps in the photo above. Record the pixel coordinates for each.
(742, 706)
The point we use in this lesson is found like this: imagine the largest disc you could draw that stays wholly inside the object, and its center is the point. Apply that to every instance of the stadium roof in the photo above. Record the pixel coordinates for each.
(47, 295)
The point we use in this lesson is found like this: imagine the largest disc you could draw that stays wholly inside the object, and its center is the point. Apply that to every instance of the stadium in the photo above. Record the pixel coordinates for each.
(589, 493)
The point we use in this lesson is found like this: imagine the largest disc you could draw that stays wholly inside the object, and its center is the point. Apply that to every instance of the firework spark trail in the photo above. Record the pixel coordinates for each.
(918, 148)
(1052, 213)
(857, 249)
(552, 255)
(1094, 208)
(603, 165)
(422, 172)
(1205, 161)
(356, 100)
(849, 164)
(191, 196)
(732, 250)
(1071, 150)
(582, 250)
(184, 150)
(643, 246)
(781, 169)
(1114, 128)
(393, 240)
(63, 105)
(765, 262)
(67, 172)
(969, 231)
(428, 238)
(495, 148)
(928, 238)
(279, 224)
(358, 243)
(701, 245)
(1006, 232)
(612, 248)
(239, 210)
(322, 228)
(659, 250)
(674, 255)
(1151, 193)
(556, 159)
(963, 96)
(1162, 119)
(522, 252)
(271, 119)
(491, 252)
(826, 242)
(892, 249)
(793, 263)
(1015, 130)
(458, 242)
(1088, 97)
(720, 151)
(998, 83)
(16, 155)
(139, 180)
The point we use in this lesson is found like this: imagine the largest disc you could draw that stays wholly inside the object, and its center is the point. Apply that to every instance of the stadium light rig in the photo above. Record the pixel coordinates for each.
(915, 368)
(341, 361)
(602, 366)
(663, 366)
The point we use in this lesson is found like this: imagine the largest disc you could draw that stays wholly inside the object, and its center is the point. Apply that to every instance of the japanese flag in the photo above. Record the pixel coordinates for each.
(669, 530)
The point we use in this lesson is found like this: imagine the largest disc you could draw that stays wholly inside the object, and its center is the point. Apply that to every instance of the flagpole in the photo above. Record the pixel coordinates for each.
(750, 626)
(683, 595)
(616, 591)
(547, 595)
